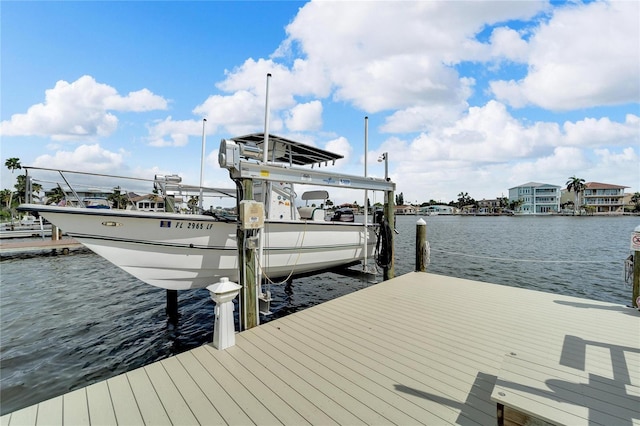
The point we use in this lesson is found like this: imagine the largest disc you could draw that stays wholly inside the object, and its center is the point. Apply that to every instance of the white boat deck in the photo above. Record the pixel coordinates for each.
(418, 349)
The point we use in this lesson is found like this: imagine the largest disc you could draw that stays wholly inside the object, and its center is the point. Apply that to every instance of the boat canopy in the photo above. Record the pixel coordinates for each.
(284, 150)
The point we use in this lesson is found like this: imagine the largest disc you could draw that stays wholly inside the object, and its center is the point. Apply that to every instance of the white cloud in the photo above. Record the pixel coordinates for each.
(598, 132)
(340, 146)
(397, 55)
(168, 132)
(79, 111)
(85, 158)
(305, 117)
(508, 43)
(586, 55)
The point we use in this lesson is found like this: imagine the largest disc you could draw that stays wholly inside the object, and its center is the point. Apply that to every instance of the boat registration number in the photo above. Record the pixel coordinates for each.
(193, 225)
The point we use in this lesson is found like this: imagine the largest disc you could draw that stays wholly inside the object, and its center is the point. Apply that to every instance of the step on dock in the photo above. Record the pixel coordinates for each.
(417, 349)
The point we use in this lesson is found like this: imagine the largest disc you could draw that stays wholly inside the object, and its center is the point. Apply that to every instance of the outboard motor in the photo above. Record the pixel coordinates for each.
(343, 215)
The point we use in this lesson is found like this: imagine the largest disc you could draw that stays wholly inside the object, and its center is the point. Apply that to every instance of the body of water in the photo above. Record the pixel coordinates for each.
(69, 321)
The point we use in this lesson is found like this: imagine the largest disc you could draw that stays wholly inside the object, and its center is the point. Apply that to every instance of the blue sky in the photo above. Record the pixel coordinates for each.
(473, 97)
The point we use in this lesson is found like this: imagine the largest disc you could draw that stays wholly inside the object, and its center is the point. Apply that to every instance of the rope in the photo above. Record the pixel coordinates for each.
(523, 260)
(264, 273)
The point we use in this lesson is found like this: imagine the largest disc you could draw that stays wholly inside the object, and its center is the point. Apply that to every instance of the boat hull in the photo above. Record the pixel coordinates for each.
(179, 252)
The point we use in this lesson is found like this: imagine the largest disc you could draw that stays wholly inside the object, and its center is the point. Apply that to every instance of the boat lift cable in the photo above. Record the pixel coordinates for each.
(264, 273)
(521, 260)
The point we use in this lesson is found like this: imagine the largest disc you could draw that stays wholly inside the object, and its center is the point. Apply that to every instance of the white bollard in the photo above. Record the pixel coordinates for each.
(223, 293)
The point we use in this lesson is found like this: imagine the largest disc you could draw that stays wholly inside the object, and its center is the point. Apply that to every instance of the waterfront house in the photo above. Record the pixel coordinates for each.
(603, 198)
(438, 210)
(405, 210)
(148, 203)
(537, 198)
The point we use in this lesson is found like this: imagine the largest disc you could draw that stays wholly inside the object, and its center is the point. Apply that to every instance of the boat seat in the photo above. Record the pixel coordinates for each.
(311, 213)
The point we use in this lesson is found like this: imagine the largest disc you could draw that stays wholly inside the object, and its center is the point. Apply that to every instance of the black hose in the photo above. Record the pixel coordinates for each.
(384, 251)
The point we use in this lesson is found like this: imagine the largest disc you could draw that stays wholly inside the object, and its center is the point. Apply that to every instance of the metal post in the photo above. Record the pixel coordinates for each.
(204, 141)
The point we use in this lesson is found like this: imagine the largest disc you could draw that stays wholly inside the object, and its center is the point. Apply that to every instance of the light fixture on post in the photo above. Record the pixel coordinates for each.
(385, 157)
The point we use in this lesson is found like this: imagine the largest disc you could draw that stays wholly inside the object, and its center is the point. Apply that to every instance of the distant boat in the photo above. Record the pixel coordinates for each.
(96, 203)
(184, 251)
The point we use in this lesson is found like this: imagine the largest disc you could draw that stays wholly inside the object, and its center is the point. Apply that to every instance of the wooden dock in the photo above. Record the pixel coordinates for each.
(38, 246)
(418, 349)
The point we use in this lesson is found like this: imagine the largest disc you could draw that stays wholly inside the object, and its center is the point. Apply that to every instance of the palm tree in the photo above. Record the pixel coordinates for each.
(576, 184)
(118, 199)
(5, 197)
(635, 199)
(56, 195)
(13, 164)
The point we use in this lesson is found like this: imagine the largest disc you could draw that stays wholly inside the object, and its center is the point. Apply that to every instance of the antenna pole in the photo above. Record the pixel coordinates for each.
(204, 141)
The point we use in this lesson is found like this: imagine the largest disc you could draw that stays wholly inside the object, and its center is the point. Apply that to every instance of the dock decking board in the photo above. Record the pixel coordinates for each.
(418, 349)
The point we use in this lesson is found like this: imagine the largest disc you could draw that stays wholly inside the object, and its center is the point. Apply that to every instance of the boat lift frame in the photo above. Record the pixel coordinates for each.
(244, 164)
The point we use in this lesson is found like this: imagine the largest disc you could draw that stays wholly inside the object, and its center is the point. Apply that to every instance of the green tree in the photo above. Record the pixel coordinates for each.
(635, 199)
(55, 195)
(5, 197)
(400, 199)
(117, 199)
(13, 164)
(575, 184)
(21, 187)
(463, 199)
(515, 205)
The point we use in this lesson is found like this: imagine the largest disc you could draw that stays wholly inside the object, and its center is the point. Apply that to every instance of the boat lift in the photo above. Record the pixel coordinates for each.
(244, 158)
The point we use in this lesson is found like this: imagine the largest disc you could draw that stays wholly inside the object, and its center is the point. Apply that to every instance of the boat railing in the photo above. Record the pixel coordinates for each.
(76, 186)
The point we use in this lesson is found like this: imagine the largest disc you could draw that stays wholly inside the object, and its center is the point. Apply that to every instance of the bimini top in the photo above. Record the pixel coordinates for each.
(288, 151)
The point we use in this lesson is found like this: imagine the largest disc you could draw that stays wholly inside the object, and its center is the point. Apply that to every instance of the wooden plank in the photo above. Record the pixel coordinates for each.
(408, 363)
(382, 379)
(369, 408)
(124, 402)
(229, 410)
(24, 416)
(76, 411)
(50, 412)
(384, 402)
(200, 405)
(174, 405)
(148, 402)
(101, 409)
(252, 406)
(266, 386)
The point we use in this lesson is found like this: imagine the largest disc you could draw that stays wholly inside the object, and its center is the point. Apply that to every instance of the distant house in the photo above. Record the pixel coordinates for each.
(438, 210)
(404, 210)
(536, 198)
(603, 198)
(488, 206)
(148, 203)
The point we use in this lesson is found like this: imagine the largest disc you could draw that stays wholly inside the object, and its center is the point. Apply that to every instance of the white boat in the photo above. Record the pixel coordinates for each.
(184, 251)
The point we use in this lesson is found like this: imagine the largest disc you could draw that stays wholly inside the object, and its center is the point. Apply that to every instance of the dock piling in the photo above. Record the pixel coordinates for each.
(172, 306)
(421, 246)
(635, 245)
